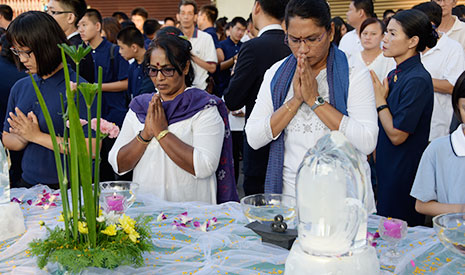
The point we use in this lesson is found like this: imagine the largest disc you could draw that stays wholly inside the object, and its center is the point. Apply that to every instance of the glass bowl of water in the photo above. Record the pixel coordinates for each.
(265, 207)
(117, 196)
(450, 229)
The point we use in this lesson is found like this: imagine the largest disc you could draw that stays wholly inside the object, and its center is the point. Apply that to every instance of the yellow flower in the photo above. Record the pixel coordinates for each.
(110, 230)
(82, 227)
(41, 223)
(61, 218)
(133, 236)
(127, 223)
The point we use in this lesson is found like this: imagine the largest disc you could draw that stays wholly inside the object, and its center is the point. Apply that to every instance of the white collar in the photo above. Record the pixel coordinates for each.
(457, 25)
(269, 27)
(72, 34)
(457, 138)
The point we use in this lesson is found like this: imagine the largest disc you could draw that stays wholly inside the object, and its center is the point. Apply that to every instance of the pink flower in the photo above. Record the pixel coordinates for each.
(177, 225)
(184, 218)
(107, 128)
(202, 227)
(213, 221)
(82, 121)
(161, 217)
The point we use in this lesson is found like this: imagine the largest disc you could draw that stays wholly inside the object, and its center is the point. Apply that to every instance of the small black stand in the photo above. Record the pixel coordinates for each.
(284, 239)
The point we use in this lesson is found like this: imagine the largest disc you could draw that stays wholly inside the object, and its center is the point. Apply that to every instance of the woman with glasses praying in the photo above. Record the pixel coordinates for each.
(307, 95)
(35, 36)
(176, 141)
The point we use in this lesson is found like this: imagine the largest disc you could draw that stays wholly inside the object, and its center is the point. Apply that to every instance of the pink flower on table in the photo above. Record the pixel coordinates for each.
(201, 226)
(178, 225)
(213, 221)
(106, 127)
(161, 217)
(184, 218)
(371, 238)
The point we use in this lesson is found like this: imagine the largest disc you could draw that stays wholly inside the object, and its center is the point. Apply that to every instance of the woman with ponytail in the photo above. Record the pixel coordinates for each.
(404, 103)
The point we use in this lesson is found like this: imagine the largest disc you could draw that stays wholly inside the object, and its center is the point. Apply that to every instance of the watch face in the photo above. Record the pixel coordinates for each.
(320, 100)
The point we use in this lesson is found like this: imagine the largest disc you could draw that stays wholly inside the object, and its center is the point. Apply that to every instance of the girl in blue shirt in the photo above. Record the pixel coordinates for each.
(404, 102)
(34, 36)
(439, 186)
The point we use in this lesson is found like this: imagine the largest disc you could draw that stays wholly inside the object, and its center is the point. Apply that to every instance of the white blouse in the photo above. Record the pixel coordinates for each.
(157, 174)
(304, 130)
(445, 61)
(381, 65)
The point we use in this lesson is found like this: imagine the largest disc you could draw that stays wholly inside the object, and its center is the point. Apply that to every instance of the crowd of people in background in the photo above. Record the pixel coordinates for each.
(197, 97)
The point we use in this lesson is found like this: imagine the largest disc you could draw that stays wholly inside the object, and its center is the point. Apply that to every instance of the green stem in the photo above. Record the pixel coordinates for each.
(97, 143)
(64, 195)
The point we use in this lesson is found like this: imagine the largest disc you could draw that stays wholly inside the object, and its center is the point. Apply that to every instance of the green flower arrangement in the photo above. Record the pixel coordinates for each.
(120, 241)
(89, 237)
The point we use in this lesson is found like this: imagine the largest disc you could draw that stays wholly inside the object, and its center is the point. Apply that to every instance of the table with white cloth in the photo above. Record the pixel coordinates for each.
(226, 248)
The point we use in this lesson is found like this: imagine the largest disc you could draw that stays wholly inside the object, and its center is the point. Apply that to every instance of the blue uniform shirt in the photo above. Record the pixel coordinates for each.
(38, 162)
(10, 75)
(114, 104)
(212, 31)
(138, 81)
(441, 171)
(410, 102)
(229, 49)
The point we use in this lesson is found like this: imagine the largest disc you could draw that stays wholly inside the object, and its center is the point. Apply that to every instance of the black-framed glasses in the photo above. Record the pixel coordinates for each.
(52, 13)
(24, 54)
(292, 41)
(166, 71)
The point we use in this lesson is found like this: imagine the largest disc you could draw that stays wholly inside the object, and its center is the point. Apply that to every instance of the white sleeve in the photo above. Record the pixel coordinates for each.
(361, 124)
(258, 127)
(209, 52)
(208, 135)
(455, 63)
(129, 130)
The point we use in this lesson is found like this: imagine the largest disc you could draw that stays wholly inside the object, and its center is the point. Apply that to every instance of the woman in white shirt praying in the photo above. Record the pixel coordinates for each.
(174, 140)
(309, 94)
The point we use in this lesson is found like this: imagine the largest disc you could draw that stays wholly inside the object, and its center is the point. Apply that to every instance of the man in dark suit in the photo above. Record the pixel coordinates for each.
(255, 57)
(67, 13)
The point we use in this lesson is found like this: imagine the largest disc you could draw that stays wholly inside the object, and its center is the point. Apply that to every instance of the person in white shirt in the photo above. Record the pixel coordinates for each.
(174, 146)
(371, 34)
(450, 24)
(359, 10)
(204, 55)
(297, 104)
(439, 187)
(445, 62)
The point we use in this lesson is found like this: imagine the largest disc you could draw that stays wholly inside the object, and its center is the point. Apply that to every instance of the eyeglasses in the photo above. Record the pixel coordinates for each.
(167, 72)
(23, 54)
(309, 41)
(52, 13)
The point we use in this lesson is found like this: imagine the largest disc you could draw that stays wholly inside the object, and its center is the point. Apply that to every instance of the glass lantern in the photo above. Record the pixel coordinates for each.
(333, 198)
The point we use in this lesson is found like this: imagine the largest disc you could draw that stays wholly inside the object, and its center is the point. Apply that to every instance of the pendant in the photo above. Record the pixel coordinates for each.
(395, 78)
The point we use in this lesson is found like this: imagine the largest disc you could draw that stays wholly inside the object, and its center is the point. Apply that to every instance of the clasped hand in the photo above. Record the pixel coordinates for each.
(304, 82)
(24, 126)
(155, 121)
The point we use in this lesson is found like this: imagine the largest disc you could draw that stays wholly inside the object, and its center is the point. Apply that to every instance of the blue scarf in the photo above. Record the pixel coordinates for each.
(338, 83)
(186, 105)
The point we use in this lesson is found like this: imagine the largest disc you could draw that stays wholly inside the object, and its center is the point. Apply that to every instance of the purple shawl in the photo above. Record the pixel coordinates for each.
(186, 105)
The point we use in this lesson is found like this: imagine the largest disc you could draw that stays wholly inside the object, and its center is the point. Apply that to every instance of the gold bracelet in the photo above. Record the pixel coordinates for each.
(141, 140)
(162, 134)
(289, 109)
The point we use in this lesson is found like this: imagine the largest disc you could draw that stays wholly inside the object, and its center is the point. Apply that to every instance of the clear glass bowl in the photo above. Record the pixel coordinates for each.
(117, 196)
(264, 207)
(450, 229)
